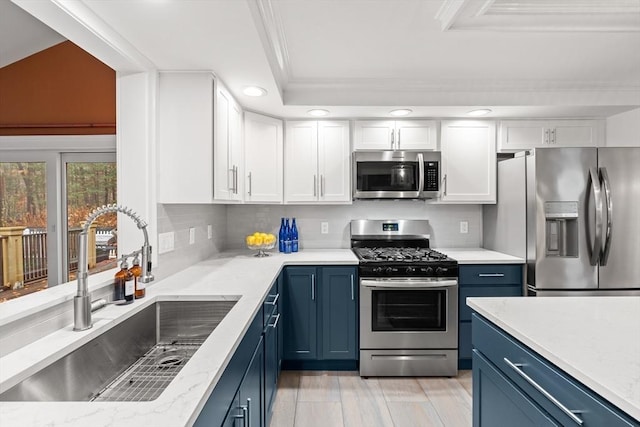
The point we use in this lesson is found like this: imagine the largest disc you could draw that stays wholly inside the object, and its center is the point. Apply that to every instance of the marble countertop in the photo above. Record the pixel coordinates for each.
(235, 275)
(593, 339)
(479, 256)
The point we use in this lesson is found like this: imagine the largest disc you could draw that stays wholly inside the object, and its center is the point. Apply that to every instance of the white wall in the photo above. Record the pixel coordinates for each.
(623, 130)
(443, 220)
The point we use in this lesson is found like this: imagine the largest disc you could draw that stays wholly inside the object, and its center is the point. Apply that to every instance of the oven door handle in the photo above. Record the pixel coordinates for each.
(413, 284)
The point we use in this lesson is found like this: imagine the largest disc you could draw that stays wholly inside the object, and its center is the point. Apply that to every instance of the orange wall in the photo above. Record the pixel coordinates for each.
(61, 90)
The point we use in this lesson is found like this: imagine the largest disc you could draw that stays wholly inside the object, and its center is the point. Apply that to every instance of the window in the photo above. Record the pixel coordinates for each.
(44, 198)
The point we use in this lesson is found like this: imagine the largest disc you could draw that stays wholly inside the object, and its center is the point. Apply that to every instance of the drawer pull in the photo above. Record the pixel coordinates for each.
(490, 274)
(275, 300)
(275, 324)
(516, 367)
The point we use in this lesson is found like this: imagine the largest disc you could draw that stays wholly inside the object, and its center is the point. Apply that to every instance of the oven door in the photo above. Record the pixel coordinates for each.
(408, 313)
(388, 175)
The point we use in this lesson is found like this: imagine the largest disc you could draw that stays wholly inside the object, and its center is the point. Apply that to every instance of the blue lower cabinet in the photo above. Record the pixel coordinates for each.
(498, 402)
(515, 386)
(300, 313)
(320, 315)
(339, 313)
(482, 280)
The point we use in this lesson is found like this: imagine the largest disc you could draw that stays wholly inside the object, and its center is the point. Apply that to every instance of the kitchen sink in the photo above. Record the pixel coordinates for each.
(133, 361)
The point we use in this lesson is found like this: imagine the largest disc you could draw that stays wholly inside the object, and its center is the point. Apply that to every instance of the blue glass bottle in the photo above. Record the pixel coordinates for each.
(281, 235)
(294, 236)
(287, 237)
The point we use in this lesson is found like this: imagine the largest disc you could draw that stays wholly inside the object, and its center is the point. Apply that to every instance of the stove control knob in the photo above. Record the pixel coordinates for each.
(429, 270)
(389, 270)
(410, 270)
(378, 270)
(440, 270)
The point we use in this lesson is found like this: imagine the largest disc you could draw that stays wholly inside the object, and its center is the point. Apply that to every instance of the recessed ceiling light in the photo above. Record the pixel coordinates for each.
(254, 91)
(477, 113)
(318, 112)
(400, 112)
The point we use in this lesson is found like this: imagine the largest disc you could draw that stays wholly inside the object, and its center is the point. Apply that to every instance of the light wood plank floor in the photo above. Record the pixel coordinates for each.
(335, 399)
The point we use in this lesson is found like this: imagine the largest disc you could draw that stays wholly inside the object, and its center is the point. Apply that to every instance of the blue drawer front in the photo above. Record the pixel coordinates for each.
(490, 274)
(496, 346)
(484, 291)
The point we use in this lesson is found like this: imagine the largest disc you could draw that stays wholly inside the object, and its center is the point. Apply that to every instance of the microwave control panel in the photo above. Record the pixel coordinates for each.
(431, 178)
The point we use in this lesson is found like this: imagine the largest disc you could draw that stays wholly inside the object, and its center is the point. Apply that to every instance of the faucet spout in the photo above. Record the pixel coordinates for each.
(82, 300)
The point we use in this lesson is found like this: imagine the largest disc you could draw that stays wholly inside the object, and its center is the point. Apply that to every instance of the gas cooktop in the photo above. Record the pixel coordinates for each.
(399, 254)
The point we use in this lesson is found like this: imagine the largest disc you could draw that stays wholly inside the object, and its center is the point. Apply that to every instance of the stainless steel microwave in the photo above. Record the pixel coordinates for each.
(396, 175)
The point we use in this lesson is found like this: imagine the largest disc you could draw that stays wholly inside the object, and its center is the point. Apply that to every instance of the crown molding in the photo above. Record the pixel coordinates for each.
(541, 15)
(273, 38)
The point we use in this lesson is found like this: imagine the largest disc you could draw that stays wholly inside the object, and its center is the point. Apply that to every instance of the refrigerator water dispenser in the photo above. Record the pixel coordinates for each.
(561, 229)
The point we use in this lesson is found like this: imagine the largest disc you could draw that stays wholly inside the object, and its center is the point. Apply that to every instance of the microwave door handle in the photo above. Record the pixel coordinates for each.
(606, 187)
(421, 174)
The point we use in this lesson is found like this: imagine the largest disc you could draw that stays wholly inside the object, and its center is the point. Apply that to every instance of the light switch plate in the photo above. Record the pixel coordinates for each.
(192, 235)
(165, 242)
(464, 227)
(209, 231)
(324, 227)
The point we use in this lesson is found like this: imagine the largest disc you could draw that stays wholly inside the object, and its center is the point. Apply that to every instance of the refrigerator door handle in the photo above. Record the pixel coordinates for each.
(606, 186)
(594, 182)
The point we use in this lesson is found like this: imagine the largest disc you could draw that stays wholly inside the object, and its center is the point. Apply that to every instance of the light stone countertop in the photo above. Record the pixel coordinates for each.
(235, 275)
(479, 256)
(596, 340)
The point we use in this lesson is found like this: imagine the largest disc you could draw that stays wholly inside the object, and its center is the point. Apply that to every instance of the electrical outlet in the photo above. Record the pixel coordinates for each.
(464, 227)
(165, 242)
(192, 235)
(324, 227)
(209, 231)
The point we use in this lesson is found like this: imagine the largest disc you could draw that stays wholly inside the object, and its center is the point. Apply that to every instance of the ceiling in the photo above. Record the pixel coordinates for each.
(362, 58)
(22, 35)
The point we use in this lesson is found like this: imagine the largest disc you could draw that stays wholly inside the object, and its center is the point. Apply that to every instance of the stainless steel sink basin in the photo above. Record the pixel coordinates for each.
(133, 361)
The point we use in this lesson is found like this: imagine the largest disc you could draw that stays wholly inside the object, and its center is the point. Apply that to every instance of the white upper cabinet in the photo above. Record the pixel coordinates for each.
(317, 162)
(263, 159)
(468, 161)
(227, 154)
(517, 135)
(396, 135)
(185, 137)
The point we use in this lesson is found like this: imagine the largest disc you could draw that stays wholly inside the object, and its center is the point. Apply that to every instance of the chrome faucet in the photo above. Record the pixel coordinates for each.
(82, 301)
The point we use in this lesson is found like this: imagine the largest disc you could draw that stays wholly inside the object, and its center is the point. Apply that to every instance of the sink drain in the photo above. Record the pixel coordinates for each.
(170, 359)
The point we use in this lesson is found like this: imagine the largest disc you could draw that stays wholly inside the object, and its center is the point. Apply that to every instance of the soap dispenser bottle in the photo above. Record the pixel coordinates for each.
(124, 282)
(136, 271)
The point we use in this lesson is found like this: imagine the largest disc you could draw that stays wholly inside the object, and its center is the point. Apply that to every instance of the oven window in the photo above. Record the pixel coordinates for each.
(387, 176)
(404, 310)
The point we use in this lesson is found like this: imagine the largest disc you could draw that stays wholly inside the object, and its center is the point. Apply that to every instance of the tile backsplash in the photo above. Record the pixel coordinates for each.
(444, 221)
(178, 219)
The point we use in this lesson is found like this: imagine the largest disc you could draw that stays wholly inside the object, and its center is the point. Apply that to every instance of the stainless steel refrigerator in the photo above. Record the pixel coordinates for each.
(582, 219)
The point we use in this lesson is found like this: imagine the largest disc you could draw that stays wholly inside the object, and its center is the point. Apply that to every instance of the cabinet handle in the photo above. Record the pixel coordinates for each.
(235, 179)
(490, 274)
(275, 300)
(393, 138)
(315, 185)
(444, 184)
(313, 287)
(398, 139)
(232, 180)
(546, 136)
(275, 324)
(243, 415)
(322, 185)
(553, 136)
(249, 192)
(353, 297)
(516, 367)
(248, 412)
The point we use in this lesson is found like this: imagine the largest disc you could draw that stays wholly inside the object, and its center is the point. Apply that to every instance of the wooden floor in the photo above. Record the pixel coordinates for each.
(334, 399)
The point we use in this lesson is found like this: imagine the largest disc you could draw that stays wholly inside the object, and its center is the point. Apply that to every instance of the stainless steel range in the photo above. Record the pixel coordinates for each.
(408, 300)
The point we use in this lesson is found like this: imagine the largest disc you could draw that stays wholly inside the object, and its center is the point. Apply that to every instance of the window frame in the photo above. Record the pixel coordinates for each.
(51, 150)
